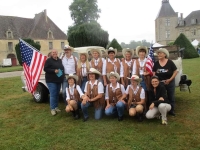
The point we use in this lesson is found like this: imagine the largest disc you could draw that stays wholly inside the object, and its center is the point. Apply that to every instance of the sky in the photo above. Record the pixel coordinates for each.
(125, 20)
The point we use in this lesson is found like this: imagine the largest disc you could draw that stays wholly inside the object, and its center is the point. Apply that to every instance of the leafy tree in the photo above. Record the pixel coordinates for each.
(87, 34)
(115, 44)
(189, 51)
(133, 44)
(18, 52)
(83, 11)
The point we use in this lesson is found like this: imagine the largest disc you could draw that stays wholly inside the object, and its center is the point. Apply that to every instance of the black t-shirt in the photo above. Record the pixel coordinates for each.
(50, 66)
(166, 71)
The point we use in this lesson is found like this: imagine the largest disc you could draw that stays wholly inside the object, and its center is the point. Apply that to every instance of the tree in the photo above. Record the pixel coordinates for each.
(170, 43)
(84, 11)
(18, 52)
(133, 44)
(116, 45)
(189, 51)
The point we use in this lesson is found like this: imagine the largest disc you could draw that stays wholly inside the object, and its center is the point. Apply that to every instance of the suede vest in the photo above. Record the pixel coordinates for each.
(133, 97)
(110, 66)
(114, 96)
(99, 66)
(91, 93)
(76, 95)
(79, 74)
(126, 71)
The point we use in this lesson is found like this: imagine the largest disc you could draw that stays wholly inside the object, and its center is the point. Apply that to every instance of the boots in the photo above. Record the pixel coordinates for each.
(140, 117)
(77, 114)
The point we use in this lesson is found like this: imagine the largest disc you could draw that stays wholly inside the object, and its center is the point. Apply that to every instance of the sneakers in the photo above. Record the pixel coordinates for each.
(53, 112)
(57, 109)
(164, 122)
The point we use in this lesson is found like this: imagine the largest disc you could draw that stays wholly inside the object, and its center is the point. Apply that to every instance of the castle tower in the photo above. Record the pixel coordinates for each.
(165, 24)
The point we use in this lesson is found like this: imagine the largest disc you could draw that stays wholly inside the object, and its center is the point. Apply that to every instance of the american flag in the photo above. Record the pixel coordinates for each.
(33, 63)
(150, 61)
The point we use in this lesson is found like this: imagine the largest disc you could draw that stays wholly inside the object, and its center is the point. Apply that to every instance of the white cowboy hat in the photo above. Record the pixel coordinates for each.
(141, 47)
(72, 76)
(95, 50)
(115, 74)
(163, 50)
(83, 53)
(127, 50)
(92, 70)
(135, 78)
(111, 49)
(68, 47)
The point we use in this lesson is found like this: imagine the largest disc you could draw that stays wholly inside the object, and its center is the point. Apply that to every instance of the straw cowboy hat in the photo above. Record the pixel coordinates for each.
(163, 50)
(127, 50)
(95, 50)
(111, 49)
(83, 53)
(141, 47)
(92, 70)
(115, 74)
(135, 78)
(68, 47)
(72, 76)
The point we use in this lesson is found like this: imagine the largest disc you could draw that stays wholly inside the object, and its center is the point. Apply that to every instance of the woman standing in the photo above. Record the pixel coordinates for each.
(54, 77)
(158, 100)
(93, 95)
(166, 71)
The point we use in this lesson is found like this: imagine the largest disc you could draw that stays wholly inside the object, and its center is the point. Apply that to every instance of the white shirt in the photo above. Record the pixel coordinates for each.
(69, 64)
(129, 64)
(100, 86)
(141, 69)
(71, 90)
(115, 67)
(114, 89)
(84, 69)
(142, 94)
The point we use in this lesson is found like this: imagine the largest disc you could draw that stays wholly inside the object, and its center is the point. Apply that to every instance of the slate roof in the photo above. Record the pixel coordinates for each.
(192, 15)
(36, 28)
(166, 10)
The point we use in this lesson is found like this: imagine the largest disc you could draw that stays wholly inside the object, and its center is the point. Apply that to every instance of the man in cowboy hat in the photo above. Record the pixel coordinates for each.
(112, 64)
(136, 98)
(70, 64)
(93, 95)
(127, 63)
(97, 61)
(114, 94)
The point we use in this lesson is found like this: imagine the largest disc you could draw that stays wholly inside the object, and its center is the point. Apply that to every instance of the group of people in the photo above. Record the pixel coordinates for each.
(112, 86)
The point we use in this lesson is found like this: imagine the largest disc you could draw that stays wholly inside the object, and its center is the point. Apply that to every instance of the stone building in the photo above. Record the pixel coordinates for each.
(41, 29)
(168, 24)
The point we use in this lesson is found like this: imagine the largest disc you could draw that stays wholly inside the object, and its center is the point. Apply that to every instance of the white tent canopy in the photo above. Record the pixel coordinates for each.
(157, 45)
(195, 42)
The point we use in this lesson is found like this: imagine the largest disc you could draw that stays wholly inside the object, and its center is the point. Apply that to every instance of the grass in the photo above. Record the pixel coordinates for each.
(25, 124)
(10, 69)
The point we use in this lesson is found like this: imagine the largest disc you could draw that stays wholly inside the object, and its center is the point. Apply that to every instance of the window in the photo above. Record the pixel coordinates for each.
(193, 32)
(167, 34)
(167, 22)
(50, 45)
(50, 34)
(10, 46)
(181, 23)
(9, 35)
(193, 21)
(62, 45)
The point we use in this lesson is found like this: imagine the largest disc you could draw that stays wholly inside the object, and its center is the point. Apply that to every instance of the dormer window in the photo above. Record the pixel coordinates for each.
(50, 34)
(181, 23)
(9, 34)
(193, 21)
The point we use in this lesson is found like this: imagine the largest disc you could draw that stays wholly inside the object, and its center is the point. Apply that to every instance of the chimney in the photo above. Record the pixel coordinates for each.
(181, 16)
(45, 15)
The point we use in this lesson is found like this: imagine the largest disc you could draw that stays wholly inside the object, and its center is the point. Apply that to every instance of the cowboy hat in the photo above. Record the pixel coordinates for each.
(72, 76)
(115, 74)
(111, 49)
(138, 48)
(68, 47)
(163, 50)
(83, 53)
(135, 78)
(127, 50)
(92, 70)
(95, 50)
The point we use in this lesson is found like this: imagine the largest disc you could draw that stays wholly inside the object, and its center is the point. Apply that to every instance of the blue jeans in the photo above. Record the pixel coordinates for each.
(64, 85)
(118, 109)
(98, 112)
(83, 82)
(54, 90)
(170, 93)
(142, 83)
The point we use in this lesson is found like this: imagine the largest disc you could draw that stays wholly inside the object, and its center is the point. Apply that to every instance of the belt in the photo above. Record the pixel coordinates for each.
(72, 73)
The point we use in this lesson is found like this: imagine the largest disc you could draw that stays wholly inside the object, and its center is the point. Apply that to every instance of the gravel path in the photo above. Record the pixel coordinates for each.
(10, 74)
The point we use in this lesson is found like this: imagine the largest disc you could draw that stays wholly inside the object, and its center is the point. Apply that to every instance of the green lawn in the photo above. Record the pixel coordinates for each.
(10, 69)
(25, 124)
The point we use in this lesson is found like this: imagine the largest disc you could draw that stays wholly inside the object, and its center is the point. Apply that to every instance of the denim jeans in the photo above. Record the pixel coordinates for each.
(98, 112)
(142, 83)
(64, 85)
(170, 93)
(54, 90)
(116, 110)
(83, 83)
